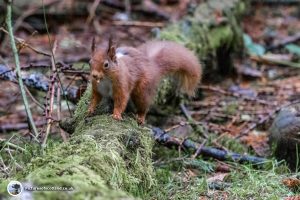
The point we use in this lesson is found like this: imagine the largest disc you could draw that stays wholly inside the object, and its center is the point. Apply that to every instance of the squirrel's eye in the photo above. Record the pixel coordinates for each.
(105, 65)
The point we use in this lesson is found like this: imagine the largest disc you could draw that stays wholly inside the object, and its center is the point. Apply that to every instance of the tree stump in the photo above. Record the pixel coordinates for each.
(285, 135)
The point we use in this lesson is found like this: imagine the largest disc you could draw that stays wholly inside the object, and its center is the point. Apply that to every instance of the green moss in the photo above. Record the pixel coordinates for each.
(243, 182)
(104, 159)
(82, 105)
(81, 112)
(165, 94)
(249, 183)
(175, 185)
(203, 32)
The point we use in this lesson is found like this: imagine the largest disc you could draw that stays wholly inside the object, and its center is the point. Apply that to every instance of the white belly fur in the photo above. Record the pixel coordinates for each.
(105, 87)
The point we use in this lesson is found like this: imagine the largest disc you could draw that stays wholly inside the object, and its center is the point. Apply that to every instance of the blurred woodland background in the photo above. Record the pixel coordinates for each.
(248, 103)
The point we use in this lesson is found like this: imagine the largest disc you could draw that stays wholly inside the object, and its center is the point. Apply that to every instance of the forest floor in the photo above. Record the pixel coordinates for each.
(229, 121)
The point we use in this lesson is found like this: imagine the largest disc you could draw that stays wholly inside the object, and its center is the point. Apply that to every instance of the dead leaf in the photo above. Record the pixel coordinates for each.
(217, 177)
(258, 141)
(291, 183)
(222, 168)
(249, 71)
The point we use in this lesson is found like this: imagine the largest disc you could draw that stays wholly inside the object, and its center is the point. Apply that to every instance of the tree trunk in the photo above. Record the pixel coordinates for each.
(284, 135)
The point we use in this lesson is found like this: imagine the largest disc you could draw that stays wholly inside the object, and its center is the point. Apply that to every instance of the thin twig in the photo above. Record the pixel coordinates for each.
(52, 93)
(19, 126)
(53, 57)
(62, 133)
(198, 151)
(31, 11)
(146, 6)
(168, 140)
(186, 112)
(284, 42)
(176, 126)
(34, 99)
(138, 23)
(8, 150)
(4, 169)
(24, 15)
(7, 143)
(265, 59)
(234, 94)
(23, 43)
(128, 8)
(276, 2)
(190, 119)
(18, 69)
(92, 11)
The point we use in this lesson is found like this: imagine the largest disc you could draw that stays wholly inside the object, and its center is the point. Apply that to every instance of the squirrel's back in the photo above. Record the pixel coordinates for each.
(171, 57)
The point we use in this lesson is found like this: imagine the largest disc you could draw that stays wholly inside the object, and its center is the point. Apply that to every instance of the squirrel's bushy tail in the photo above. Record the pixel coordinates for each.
(171, 57)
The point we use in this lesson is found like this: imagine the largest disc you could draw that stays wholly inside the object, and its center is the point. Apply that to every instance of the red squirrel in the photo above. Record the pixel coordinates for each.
(136, 72)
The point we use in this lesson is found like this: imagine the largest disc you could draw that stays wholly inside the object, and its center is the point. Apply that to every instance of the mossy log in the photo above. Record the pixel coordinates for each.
(103, 159)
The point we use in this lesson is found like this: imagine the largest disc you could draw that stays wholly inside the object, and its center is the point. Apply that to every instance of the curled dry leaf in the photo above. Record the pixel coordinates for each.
(292, 183)
(217, 177)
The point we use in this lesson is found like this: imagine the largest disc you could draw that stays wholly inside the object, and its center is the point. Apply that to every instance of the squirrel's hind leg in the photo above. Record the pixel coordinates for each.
(142, 101)
(142, 109)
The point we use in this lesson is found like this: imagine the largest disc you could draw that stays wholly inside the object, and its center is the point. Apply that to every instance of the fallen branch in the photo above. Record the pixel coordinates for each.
(265, 59)
(138, 23)
(146, 7)
(234, 94)
(4, 143)
(92, 11)
(18, 126)
(164, 138)
(24, 44)
(284, 42)
(275, 2)
(37, 81)
(51, 93)
(34, 99)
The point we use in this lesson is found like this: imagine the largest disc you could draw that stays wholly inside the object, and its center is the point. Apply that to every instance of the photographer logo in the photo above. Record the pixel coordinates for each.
(14, 188)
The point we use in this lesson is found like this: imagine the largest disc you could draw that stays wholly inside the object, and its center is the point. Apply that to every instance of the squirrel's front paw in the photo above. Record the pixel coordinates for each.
(140, 120)
(117, 117)
(91, 110)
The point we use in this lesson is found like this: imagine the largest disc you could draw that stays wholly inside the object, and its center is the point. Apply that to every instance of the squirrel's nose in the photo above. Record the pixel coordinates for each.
(94, 76)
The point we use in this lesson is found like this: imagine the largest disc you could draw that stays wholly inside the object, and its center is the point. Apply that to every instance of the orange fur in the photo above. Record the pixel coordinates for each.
(135, 73)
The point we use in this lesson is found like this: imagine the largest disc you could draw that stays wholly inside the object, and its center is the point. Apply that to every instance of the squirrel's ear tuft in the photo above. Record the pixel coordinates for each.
(93, 47)
(111, 50)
